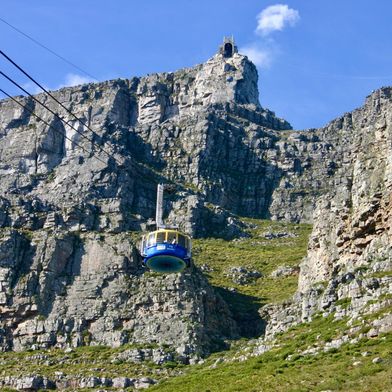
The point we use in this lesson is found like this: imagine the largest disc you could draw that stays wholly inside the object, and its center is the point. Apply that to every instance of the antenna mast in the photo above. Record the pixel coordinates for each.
(159, 208)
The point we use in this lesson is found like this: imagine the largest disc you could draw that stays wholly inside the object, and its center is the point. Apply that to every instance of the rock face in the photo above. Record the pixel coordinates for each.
(36, 383)
(69, 271)
(201, 128)
(69, 289)
(353, 221)
(351, 244)
(349, 257)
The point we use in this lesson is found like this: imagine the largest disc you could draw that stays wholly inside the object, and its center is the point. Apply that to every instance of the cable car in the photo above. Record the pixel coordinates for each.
(166, 250)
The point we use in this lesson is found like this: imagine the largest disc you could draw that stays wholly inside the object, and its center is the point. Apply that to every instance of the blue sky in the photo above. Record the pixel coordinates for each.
(316, 59)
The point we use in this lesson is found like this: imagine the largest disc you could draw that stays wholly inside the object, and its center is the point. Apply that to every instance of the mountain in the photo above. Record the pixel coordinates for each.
(72, 213)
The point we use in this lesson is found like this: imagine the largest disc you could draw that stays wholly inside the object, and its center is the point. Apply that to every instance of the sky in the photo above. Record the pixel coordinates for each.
(316, 59)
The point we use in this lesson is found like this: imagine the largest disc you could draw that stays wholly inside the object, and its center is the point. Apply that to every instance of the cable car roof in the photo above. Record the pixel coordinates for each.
(161, 230)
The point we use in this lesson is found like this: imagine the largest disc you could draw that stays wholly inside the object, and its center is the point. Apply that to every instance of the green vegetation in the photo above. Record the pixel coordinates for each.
(381, 274)
(192, 187)
(256, 253)
(86, 360)
(50, 176)
(285, 368)
(344, 302)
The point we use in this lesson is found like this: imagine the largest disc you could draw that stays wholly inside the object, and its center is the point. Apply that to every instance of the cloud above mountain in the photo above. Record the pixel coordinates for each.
(273, 18)
(72, 79)
(276, 18)
(259, 56)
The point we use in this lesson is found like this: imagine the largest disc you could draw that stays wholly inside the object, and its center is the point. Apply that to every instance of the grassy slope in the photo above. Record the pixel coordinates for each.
(256, 252)
(281, 369)
(98, 361)
(284, 369)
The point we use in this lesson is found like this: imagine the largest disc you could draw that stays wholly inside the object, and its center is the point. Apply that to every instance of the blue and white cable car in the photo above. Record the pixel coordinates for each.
(166, 251)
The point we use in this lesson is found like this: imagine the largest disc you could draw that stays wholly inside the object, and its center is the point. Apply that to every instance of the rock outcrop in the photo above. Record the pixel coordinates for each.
(348, 269)
(67, 289)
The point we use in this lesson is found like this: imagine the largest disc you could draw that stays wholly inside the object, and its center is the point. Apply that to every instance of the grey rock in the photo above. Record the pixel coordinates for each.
(122, 382)
(284, 270)
(89, 382)
(92, 290)
(373, 333)
(243, 276)
(216, 363)
(158, 356)
(284, 234)
(28, 383)
(205, 268)
(144, 383)
(350, 238)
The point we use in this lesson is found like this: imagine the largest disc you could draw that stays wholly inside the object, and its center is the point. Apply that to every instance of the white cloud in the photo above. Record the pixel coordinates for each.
(74, 80)
(275, 18)
(259, 56)
(32, 88)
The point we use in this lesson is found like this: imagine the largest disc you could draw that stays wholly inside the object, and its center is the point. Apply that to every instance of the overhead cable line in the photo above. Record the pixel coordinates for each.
(61, 104)
(48, 49)
(49, 125)
(47, 92)
(54, 113)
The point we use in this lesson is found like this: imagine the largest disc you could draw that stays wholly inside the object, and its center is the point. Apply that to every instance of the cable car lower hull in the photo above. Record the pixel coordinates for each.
(166, 258)
(166, 264)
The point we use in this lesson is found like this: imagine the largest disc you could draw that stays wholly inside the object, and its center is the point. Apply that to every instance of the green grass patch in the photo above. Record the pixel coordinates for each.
(256, 253)
(343, 302)
(86, 361)
(381, 274)
(284, 369)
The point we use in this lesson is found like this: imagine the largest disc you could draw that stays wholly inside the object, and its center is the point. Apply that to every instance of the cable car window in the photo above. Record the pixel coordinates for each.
(161, 238)
(151, 240)
(171, 238)
(181, 241)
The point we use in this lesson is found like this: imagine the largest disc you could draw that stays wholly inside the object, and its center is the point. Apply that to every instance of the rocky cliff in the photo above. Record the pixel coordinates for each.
(201, 128)
(69, 271)
(347, 271)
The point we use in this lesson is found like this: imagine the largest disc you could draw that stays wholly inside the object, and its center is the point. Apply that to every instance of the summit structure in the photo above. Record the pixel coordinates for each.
(228, 48)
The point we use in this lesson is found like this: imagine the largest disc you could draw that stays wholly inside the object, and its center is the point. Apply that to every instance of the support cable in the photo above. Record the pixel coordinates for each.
(48, 49)
(47, 92)
(50, 126)
(55, 114)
